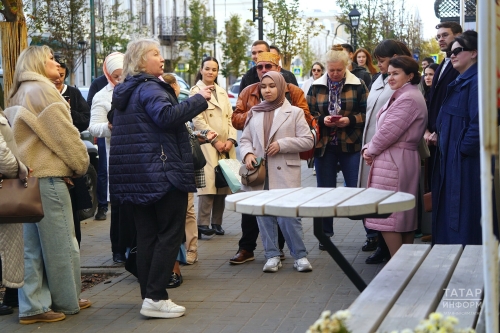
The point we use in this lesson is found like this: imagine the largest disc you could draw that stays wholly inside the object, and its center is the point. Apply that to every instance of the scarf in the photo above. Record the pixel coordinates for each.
(269, 107)
(335, 103)
(112, 62)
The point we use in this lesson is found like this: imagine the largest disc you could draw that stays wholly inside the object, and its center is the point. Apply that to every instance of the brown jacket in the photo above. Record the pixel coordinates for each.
(250, 96)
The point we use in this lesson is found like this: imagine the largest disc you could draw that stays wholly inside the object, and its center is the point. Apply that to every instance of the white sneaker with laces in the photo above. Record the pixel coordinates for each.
(302, 265)
(161, 309)
(272, 265)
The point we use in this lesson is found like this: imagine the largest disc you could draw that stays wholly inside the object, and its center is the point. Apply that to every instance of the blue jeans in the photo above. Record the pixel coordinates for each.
(326, 176)
(51, 256)
(102, 175)
(292, 231)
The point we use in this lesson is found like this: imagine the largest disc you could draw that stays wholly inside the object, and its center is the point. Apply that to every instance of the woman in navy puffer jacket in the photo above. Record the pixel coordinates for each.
(151, 168)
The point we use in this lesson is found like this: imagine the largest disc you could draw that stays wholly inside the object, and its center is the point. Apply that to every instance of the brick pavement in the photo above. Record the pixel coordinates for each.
(219, 297)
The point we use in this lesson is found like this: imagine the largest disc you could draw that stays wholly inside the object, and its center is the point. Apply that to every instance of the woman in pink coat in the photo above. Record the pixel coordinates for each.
(392, 153)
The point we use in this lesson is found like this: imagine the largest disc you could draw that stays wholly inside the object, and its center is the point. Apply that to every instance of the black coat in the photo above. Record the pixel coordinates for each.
(80, 110)
(438, 93)
(95, 87)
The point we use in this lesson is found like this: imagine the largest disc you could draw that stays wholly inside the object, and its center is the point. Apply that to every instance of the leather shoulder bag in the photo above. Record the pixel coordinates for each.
(20, 200)
(254, 177)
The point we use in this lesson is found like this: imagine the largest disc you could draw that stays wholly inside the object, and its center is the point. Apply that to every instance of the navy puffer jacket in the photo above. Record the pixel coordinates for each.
(150, 152)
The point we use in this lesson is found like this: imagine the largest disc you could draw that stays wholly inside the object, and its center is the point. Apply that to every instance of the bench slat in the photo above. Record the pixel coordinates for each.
(254, 205)
(324, 205)
(231, 200)
(364, 203)
(468, 275)
(398, 202)
(422, 294)
(370, 308)
(287, 205)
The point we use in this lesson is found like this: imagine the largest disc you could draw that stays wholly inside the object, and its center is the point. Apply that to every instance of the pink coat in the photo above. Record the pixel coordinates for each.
(396, 163)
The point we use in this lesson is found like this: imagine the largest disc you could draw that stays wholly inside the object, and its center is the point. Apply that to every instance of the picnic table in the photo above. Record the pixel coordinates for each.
(354, 203)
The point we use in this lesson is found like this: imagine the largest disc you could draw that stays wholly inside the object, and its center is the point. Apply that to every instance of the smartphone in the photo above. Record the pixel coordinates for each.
(335, 118)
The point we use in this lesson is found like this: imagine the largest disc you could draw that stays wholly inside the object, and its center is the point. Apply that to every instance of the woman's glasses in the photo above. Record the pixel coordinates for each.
(316, 70)
(459, 50)
(266, 66)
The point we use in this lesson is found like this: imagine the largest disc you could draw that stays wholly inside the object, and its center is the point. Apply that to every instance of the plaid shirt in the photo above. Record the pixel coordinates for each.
(353, 107)
(199, 175)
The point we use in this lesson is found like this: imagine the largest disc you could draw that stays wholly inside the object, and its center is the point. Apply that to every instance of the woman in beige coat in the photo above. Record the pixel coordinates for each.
(11, 235)
(216, 118)
(50, 144)
(277, 131)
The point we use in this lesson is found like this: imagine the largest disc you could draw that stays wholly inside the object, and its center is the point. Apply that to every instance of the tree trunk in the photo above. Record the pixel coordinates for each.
(14, 41)
(286, 61)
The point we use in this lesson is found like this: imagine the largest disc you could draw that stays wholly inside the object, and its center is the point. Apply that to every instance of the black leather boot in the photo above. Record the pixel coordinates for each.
(218, 229)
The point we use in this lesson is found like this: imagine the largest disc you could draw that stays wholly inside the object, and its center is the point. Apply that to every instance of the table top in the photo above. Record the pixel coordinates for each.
(320, 202)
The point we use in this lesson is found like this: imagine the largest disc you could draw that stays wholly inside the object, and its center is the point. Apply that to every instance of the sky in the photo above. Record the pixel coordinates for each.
(424, 7)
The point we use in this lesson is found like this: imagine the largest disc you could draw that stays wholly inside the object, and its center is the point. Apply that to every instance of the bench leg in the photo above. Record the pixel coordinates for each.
(338, 257)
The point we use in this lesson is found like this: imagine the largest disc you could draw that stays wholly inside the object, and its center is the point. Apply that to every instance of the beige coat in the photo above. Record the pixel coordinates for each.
(48, 141)
(11, 235)
(293, 135)
(379, 94)
(216, 118)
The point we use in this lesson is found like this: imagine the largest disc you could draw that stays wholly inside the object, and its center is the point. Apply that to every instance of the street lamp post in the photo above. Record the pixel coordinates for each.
(354, 16)
(83, 46)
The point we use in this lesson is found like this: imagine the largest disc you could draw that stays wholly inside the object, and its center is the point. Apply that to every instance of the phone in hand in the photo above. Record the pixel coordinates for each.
(335, 118)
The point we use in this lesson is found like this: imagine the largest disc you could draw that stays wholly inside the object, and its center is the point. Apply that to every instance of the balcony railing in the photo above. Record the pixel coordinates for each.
(172, 28)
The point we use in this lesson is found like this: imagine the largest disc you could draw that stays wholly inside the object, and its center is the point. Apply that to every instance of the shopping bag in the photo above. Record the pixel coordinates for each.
(230, 169)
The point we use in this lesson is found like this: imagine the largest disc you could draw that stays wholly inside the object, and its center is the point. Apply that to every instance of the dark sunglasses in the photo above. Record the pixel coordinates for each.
(458, 50)
(316, 70)
(267, 66)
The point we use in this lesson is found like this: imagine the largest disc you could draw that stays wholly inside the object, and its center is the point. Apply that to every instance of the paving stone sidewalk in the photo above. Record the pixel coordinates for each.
(219, 297)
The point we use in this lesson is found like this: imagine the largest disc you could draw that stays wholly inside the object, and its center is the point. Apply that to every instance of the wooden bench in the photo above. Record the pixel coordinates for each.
(417, 281)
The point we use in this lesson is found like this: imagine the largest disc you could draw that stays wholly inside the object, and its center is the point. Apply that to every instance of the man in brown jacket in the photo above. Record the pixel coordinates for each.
(247, 98)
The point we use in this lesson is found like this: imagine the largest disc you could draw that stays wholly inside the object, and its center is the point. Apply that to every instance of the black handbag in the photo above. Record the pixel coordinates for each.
(199, 160)
(220, 180)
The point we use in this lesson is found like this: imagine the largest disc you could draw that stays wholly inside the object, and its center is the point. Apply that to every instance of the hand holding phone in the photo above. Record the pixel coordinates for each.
(335, 118)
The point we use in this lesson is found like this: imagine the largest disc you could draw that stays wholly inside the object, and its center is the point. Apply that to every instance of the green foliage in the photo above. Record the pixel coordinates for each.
(383, 19)
(200, 30)
(235, 41)
(66, 22)
(308, 57)
(290, 29)
(114, 29)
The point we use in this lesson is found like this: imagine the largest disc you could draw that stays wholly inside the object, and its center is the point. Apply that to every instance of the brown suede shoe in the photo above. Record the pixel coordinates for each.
(426, 238)
(46, 317)
(242, 256)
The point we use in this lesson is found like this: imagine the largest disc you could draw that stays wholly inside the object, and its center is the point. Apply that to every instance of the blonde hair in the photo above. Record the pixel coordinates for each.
(337, 54)
(32, 59)
(134, 61)
(169, 78)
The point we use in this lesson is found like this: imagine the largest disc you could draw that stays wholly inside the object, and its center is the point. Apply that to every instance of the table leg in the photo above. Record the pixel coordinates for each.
(337, 256)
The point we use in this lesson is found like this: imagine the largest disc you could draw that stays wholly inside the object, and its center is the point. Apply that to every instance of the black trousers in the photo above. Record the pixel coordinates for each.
(122, 228)
(160, 229)
(250, 233)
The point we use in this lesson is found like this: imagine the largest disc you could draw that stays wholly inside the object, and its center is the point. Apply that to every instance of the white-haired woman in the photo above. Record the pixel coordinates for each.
(151, 168)
(50, 145)
(338, 101)
(100, 127)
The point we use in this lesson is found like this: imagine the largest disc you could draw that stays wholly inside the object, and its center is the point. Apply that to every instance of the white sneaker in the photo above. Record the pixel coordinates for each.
(302, 265)
(272, 264)
(161, 309)
(191, 257)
